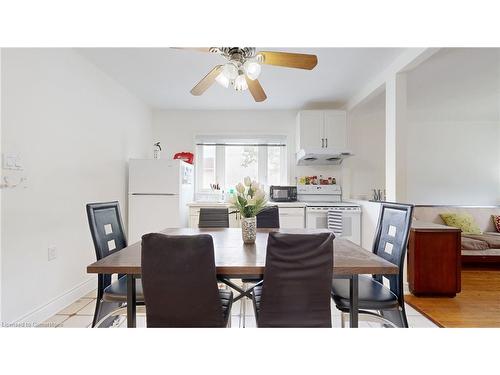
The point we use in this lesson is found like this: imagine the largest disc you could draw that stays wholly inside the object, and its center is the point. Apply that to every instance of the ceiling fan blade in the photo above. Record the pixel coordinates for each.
(256, 89)
(289, 60)
(207, 81)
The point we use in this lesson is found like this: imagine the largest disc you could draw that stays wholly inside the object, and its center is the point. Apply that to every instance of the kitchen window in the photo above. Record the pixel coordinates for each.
(227, 160)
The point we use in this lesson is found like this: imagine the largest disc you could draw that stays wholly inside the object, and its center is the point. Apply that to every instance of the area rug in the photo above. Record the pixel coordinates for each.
(477, 305)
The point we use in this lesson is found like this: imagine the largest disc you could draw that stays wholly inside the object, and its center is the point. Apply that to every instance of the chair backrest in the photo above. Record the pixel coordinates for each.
(391, 241)
(179, 281)
(214, 218)
(269, 217)
(297, 281)
(106, 228)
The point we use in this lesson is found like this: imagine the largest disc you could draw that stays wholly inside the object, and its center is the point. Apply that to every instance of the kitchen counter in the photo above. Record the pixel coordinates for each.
(227, 204)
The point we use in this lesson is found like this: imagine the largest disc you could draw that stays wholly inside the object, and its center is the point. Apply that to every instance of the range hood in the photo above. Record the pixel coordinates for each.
(321, 156)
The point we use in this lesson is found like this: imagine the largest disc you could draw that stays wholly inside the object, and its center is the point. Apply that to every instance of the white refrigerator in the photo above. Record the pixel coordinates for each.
(159, 190)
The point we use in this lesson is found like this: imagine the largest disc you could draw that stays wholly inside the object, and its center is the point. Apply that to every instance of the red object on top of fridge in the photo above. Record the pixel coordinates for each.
(188, 157)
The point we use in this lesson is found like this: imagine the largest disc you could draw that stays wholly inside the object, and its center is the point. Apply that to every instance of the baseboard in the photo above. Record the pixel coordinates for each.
(51, 308)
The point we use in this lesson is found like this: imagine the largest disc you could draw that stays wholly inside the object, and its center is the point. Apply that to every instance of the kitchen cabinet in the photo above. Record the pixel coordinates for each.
(310, 129)
(292, 217)
(335, 133)
(322, 130)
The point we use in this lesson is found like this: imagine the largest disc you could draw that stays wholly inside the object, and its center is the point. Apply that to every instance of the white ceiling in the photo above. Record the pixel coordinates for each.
(163, 77)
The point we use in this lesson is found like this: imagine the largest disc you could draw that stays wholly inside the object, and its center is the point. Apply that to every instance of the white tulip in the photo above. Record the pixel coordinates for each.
(247, 181)
(251, 201)
(255, 185)
(260, 194)
(240, 188)
(232, 199)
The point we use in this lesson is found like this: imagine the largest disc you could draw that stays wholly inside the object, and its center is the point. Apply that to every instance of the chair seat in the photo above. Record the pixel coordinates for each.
(226, 298)
(372, 294)
(117, 291)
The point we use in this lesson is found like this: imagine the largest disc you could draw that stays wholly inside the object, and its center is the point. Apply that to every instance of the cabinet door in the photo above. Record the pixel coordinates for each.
(193, 221)
(310, 129)
(292, 218)
(335, 130)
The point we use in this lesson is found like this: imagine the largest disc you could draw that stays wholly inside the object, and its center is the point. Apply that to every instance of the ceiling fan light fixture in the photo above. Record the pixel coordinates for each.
(230, 71)
(223, 80)
(252, 69)
(240, 83)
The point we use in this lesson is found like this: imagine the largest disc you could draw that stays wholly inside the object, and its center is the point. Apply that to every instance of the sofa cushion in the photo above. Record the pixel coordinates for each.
(473, 244)
(492, 240)
(496, 222)
(465, 222)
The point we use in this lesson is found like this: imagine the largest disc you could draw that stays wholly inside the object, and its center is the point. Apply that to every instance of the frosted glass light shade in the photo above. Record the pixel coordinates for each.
(240, 83)
(252, 69)
(230, 71)
(222, 80)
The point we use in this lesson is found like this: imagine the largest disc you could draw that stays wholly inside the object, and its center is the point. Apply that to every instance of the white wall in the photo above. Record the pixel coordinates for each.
(75, 128)
(176, 131)
(366, 135)
(454, 128)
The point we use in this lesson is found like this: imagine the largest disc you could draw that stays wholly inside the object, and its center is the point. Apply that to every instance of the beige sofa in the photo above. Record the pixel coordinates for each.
(484, 248)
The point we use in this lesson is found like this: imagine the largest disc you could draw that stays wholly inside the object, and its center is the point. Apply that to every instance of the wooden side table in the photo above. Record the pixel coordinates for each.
(434, 260)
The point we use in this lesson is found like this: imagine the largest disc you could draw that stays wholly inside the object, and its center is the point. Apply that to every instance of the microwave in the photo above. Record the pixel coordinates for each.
(283, 193)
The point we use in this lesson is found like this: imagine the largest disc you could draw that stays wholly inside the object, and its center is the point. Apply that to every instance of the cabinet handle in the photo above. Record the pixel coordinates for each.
(326, 142)
(322, 142)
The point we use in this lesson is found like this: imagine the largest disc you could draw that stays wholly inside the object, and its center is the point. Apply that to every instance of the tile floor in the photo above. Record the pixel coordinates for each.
(80, 314)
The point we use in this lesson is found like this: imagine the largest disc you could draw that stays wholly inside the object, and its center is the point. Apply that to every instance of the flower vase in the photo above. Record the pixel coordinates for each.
(249, 229)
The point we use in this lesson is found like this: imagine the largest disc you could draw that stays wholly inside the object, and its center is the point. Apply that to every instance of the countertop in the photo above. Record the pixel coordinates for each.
(428, 226)
(227, 204)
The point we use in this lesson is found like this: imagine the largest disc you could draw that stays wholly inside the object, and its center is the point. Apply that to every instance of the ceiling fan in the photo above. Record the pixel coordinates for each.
(244, 66)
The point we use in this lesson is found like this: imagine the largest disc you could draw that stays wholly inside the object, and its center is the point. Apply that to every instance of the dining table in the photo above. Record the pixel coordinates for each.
(236, 259)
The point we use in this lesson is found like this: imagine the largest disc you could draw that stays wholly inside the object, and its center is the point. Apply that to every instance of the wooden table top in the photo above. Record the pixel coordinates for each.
(234, 258)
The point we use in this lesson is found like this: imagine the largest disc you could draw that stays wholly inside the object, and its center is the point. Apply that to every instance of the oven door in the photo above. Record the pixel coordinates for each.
(344, 223)
(316, 218)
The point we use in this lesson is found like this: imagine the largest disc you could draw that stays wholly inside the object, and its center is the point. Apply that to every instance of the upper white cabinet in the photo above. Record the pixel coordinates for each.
(322, 130)
(335, 130)
(310, 129)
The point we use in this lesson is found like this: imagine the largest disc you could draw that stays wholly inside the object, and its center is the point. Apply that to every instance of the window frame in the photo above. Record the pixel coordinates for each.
(220, 164)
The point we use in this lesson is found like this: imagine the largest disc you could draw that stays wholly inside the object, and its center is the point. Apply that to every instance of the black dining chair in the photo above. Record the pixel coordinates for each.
(214, 218)
(297, 281)
(391, 241)
(268, 218)
(108, 236)
(180, 282)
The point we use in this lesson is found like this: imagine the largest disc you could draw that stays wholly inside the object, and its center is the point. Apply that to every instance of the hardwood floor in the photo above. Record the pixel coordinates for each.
(478, 304)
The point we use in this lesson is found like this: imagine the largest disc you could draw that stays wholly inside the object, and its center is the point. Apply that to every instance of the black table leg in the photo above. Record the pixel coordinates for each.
(242, 292)
(131, 302)
(353, 308)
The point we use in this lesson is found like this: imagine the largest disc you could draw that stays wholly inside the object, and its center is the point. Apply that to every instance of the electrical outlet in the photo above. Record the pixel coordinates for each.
(51, 253)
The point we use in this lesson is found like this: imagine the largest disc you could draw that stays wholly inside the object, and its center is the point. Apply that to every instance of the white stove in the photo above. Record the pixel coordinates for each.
(325, 210)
